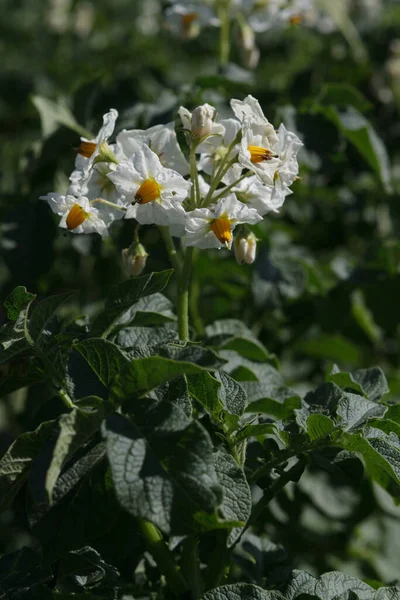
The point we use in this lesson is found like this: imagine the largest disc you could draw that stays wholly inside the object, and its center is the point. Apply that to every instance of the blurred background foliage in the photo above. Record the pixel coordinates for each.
(326, 284)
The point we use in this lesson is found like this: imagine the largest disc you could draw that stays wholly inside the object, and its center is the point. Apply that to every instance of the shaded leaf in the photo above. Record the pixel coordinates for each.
(105, 358)
(162, 466)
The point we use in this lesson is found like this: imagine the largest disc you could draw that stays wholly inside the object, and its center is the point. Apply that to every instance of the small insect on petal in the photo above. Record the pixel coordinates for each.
(148, 191)
(222, 229)
(76, 217)
(259, 154)
(86, 149)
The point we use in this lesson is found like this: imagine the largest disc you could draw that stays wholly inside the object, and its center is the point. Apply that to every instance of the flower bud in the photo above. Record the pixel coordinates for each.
(202, 121)
(134, 259)
(245, 248)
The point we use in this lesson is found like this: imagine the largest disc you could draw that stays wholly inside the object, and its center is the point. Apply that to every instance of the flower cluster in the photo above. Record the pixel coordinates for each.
(250, 17)
(238, 170)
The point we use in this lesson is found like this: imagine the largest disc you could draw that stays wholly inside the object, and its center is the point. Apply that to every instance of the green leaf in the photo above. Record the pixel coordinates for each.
(359, 131)
(145, 337)
(16, 463)
(328, 587)
(331, 347)
(142, 375)
(14, 337)
(259, 430)
(232, 394)
(162, 466)
(236, 502)
(54, 114)
(43, 314)
(372, 381)
(270, 395)
(343, 94)
(17, 301)
(155, 309)
(355, 411)
(379, 452)
(123, 296)
(205, 388)
(319, 426)
(241, 591)
(74, 430)
(344, 380)
(193, 353)
(105, 358)
(21, 571)
(231, 334)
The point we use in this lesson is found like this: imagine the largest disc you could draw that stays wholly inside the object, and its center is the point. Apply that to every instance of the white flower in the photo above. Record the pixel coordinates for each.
(186, 20)
(249, 108)
(245, 247)
(155, 193)
(287, 149)
(216, 148)
(160, 138)
(269, 154)
(263, 198)
(206, 228)
(89, 150)
(258, 149)
(78, 215)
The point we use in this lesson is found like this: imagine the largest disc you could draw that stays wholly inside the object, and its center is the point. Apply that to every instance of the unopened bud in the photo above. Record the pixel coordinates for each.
(245, 248)
(134, 259)
(249, 51)
(105, 154)
(202, 121)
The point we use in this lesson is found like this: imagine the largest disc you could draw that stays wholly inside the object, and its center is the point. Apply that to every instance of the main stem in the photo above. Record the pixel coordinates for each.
(183, 296)
(163, 557)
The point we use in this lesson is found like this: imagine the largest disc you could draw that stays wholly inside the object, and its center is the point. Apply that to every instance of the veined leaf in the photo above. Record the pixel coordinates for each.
(124, 295)
(162, 466)
(105, 358)
(16, 463)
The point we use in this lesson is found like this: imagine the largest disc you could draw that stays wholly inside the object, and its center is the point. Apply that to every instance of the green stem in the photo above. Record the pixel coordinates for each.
(122, 208)
(224, 41)
(219, 561)
(190, 566)
(284, 456)
(163, 557)
(65, 398)
(223, 168)
(195, 193)
(232, 185)
(170, 246)
(193, 308)
(183, 296)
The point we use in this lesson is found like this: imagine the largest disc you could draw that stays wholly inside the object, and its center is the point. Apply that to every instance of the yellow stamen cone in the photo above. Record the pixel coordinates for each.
(296, 20)
(76, 216)
(188, 19)
(148, 191)
(86, 149)
(222, 229)
(259, 154)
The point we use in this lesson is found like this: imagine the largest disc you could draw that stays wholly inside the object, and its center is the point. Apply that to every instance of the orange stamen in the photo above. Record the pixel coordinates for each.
(296, 20)
(188, 19)
(86, 149)
(148, 191)
(222, 229)
(76, 216)
(258, 154)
